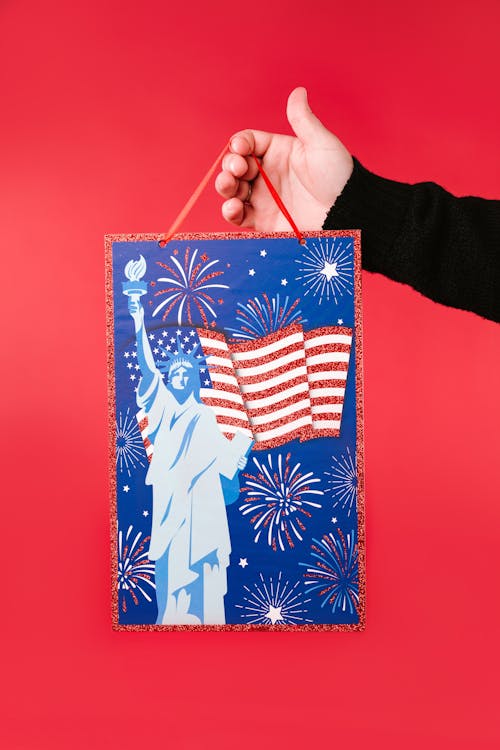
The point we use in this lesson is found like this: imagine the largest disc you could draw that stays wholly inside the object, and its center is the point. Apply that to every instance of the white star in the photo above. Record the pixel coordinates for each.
(329, 270)
(340, 322)
(263, 253)
(145, 513)
(126, 354)
(126, 488)
(164, 333)
(179, 333)
(136, 367)
(284, 282)
(207, 382)
(334, 520)
(186, 338)
(274, 614)
(134, 354)
(129, 365)
(163, 354)
(159, 341)
(168, 347)
(155, 351)
(251, 272)
(191, 333)
(243, 562)
(172, 341)
(132, 377)
(151, 336)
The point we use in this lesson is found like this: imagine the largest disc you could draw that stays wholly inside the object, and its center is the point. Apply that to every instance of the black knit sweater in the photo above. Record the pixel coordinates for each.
(445, 247)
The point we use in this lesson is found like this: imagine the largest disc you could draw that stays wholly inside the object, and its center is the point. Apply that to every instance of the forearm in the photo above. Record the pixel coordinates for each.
(145, 357)
(445, 247)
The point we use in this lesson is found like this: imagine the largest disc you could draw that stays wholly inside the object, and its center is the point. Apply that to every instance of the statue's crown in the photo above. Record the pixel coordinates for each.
(180, 357)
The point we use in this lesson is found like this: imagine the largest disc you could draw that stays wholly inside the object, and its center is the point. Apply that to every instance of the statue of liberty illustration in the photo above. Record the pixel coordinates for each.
(190, 541)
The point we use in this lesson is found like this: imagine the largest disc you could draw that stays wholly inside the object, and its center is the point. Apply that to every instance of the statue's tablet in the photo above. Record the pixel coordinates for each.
(236, 431)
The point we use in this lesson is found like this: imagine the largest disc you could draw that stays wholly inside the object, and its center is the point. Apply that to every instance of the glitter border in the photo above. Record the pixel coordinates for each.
(145, 237)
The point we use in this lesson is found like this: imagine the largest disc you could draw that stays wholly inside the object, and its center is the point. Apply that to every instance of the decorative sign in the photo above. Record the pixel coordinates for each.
(236, 431)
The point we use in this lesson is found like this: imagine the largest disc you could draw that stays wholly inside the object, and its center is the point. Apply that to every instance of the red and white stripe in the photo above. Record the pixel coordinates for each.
(327, 357)
(224, 397)
(272, 375)
(142, 421)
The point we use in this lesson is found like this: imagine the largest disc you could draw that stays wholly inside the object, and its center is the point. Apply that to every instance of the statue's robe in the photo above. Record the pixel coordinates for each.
(189, 536)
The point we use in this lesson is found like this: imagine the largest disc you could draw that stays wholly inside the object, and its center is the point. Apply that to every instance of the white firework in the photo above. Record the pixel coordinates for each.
(343, 482)
(274, 603)
(278, 500)
(129, 445)
(189, 288)
(135, 570)
(326, 268)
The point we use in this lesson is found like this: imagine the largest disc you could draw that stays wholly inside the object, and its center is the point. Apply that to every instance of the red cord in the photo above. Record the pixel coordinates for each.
(201, 187)
(278, 201)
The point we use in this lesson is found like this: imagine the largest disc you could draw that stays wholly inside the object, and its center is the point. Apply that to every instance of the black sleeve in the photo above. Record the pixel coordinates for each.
(445, 247)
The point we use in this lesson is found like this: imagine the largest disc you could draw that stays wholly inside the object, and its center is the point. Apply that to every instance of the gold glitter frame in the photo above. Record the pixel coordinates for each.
(108, 241)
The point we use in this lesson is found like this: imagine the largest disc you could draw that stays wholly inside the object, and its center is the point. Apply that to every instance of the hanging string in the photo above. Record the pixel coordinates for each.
(201, 187)
(189, 205)
(278, 201)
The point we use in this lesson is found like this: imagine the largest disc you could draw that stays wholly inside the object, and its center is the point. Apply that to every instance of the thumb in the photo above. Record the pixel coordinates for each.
(305, 124)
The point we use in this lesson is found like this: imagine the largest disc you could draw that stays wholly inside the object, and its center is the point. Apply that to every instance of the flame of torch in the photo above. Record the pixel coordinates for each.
(134, 271)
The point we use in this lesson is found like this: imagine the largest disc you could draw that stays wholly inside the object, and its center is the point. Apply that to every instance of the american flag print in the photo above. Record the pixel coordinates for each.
(142, 421)
(278, 362)
(327, 352)
(224, 396)
(272, 373)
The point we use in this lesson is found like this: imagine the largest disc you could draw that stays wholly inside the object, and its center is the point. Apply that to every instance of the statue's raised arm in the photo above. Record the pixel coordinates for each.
(145, 357)
(135, 288)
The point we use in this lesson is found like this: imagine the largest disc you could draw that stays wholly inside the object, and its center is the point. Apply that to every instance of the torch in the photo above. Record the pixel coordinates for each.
(134, 287)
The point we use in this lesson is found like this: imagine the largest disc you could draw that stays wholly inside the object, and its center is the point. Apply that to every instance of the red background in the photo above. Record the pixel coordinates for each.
(112, 112)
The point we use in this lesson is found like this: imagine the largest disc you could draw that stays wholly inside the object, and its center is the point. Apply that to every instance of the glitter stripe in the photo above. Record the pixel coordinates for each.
(327, 358)
(326, 408)
(225, 395)
(275, 364)
(213, 361)
(259, 346)
(325, 392)
(321, 376)
(279, 395)
(279, 414)
(265, 352)
(256, 383)
(282, 430)
(341, 343)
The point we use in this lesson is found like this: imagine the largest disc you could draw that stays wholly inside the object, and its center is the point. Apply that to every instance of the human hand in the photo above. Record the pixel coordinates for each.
(309, 171)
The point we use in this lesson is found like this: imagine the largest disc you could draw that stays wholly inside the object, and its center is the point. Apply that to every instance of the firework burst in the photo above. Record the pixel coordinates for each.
(274, 500)
(189, 288)
(129, 445)
(326, 268)
(273, 603)
(135, 571)
(261, 316)
(343, 482)
(334, 572)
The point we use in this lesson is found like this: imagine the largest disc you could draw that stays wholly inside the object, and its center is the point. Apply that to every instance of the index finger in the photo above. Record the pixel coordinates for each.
(247, 142)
